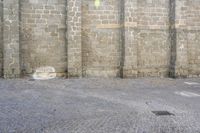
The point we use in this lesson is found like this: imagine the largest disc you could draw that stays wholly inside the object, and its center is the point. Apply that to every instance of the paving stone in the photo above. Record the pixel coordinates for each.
(98, 106)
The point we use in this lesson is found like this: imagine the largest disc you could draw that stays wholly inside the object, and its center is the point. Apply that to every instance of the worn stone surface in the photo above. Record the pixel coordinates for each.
(100, 38)
(99, 106)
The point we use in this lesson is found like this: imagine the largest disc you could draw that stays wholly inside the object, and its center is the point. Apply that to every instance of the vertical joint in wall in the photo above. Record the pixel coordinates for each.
(66, 38)
(178, 38)
(172, 37)
(1, 38)
(122, 37)
(19, 29)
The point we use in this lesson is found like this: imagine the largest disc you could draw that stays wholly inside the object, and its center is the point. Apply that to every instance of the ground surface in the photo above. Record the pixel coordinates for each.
(99, 106)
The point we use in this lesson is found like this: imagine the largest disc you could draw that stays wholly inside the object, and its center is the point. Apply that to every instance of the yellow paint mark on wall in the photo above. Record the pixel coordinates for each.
(97, 3)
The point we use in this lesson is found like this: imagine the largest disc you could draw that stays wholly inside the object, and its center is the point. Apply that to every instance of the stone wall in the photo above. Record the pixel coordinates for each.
(130, 49)
(185, 38)
(193, 23)
(152, 38)
(11, 42)
(101, 38)
(1, 37)
(73, 35)
(147, 34)
(42, 35)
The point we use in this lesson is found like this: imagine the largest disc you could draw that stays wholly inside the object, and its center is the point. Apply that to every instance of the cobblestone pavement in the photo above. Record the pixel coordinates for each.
(100, 106)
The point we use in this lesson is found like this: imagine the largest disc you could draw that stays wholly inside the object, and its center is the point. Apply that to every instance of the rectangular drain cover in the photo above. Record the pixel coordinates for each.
(162, 113)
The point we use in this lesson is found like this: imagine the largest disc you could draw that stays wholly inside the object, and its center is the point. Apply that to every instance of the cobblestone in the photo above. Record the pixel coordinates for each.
(99, 106)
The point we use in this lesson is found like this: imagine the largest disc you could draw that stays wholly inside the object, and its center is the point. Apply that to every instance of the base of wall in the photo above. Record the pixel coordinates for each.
(179, 72)
(74, 73)
(101, 73)
(11, 76)
(127, 74)
(130, 73)
(45, 75)
(145, 72)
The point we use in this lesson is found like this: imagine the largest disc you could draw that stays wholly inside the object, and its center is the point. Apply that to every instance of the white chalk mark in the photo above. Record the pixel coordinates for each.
(97, 3)
(187, 94)
(182, 47)
(44, 73)
(191, 83)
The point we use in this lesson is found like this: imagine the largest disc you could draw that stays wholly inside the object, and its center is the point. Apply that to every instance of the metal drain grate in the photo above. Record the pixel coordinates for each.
(162, 113)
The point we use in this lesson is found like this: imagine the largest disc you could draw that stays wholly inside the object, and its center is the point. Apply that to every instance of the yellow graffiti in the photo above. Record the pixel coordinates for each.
(97, 3)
